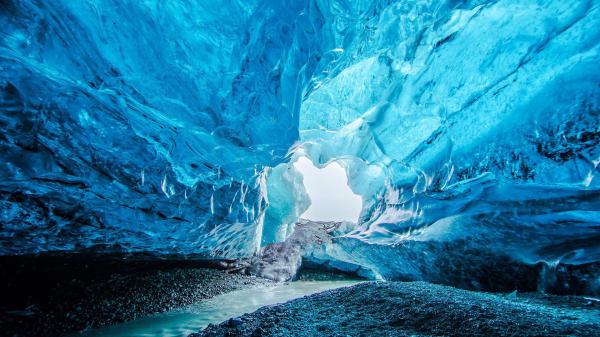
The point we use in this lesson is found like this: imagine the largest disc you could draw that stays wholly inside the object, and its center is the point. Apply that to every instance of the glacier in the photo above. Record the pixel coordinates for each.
(470, 129)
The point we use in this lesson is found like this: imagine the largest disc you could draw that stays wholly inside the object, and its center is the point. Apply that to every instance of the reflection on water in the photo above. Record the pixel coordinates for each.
(190, 319)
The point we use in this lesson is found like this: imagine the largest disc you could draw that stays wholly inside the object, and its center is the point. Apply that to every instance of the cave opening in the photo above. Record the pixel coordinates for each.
(331, 199)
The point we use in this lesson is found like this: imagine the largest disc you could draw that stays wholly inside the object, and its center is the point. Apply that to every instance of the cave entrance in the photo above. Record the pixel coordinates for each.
(331, 197)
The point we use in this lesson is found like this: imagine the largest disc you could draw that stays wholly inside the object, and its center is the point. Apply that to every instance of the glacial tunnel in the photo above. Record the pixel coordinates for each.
(470, 131)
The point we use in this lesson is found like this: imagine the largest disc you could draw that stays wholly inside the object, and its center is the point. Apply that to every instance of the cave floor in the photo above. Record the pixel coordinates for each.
(54, 295)
(418, 309)
(189, 319)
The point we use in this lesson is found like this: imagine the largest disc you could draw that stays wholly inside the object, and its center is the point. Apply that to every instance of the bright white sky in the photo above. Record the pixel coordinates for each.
(331, 198)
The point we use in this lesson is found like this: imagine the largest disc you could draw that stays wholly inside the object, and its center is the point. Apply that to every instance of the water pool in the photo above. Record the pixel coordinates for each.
(184, 321)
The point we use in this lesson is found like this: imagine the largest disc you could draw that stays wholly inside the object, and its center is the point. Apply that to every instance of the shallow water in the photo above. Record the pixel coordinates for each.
(190, 319)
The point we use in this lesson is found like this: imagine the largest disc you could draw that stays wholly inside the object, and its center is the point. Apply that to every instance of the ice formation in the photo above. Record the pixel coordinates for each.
(470, 129)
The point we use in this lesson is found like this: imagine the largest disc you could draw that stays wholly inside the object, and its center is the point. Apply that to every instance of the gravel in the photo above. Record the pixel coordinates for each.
(418, 308)
(66, 298)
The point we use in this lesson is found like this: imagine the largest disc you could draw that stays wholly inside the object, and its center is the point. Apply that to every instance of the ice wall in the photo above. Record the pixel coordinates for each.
(143, 125)
(466, 126)
(287, 199)
(482, 119)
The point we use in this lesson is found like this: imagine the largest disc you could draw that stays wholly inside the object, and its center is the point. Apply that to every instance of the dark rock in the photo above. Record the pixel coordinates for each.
(235, 322)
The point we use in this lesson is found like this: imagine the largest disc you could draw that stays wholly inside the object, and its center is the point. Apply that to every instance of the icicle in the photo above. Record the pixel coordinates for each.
(163, 186)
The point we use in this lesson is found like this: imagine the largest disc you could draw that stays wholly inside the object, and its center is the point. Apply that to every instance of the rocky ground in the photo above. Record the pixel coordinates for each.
(418, 309)
(282, 261)
(48, 296)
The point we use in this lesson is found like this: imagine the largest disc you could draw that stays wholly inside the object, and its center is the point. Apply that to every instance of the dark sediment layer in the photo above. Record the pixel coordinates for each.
(418, 308)
(313, 272)
(53, 294)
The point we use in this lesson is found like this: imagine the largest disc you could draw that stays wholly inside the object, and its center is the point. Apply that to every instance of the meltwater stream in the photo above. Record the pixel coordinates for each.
(184, 321)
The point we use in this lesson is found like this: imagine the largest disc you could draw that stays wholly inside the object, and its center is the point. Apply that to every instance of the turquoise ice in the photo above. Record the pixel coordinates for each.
(470, 129)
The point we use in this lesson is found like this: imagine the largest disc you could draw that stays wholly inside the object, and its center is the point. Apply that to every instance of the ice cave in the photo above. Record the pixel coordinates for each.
(300, 168)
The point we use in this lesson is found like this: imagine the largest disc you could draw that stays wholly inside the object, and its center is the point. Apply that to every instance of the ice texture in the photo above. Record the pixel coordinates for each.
(141, 125)
(287, 199)
(480, 121)
(467, 127)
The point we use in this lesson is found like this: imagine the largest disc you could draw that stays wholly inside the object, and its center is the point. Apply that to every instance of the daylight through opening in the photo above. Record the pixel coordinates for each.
(331, 197)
